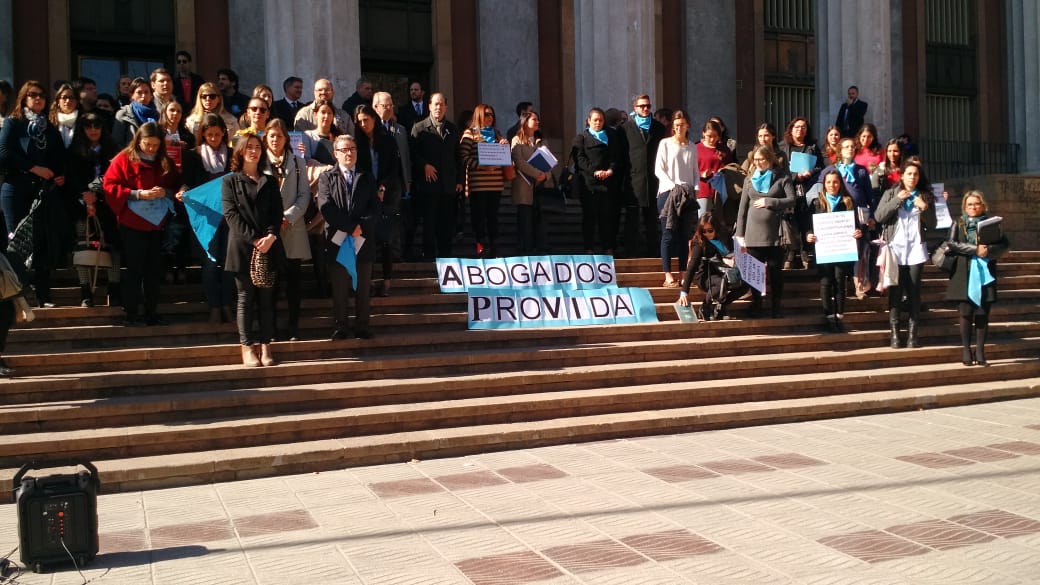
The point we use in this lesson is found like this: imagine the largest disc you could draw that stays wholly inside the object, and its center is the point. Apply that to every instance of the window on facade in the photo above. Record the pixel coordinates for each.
(790, 60)
(952, 78)
(396, 44)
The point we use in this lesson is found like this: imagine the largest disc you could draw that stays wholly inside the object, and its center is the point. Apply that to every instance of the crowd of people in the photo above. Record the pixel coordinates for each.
(301, 181)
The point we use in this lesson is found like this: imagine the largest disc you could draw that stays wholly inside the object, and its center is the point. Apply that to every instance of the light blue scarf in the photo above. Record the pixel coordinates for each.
(846, 172)
(643, 122)
(720, 247)
(600, 135)
(762, 180)
(833, 200)
(488, 133)
(908, 203)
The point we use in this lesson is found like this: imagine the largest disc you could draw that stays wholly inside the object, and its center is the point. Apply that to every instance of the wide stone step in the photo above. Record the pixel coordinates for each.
(197, 467)
(690, 362)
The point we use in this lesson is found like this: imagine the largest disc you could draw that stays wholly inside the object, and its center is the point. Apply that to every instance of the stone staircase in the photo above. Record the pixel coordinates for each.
(167, 406)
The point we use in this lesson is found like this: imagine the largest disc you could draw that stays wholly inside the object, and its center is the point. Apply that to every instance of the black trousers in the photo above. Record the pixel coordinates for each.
(909, 285)
(342, 290)
(483, 214)
(773, 256)
(832, 285)
(254, 301)
(142, 257)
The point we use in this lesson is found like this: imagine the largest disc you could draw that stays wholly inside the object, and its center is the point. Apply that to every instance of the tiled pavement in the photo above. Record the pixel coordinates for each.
(944, 496)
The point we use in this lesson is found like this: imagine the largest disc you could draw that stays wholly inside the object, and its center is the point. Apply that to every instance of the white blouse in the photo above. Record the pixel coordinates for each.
(676, 165)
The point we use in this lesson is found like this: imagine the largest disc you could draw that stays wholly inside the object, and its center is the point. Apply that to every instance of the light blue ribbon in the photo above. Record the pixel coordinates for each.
(978, 277)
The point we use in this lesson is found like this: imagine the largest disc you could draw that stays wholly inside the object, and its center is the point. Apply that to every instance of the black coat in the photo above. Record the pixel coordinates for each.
(252, 211)
(17, 160)
(428, 147)
(407, 117)
(957, 289)
(856, 113)
(283, 110)
(642, 152)
(386, 150)
(345, 209)
(593, 156)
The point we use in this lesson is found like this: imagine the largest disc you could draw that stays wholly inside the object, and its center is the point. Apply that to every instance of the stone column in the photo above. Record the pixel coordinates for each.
(711, 64)
(7, 43)
(854, 43)
(613, 54)
(508, 57)
(1023, 46)
(272, 40)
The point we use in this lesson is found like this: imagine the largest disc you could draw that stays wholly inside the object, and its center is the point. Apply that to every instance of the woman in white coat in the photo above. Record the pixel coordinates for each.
(291, 172)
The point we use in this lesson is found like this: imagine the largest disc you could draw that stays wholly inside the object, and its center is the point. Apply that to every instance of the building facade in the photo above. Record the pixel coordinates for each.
(960, 76)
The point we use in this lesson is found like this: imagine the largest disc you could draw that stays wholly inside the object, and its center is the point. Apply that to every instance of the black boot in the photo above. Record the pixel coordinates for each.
(911, 336)
(967, 355)
(893, 326)
(86, 296)
(981, 331)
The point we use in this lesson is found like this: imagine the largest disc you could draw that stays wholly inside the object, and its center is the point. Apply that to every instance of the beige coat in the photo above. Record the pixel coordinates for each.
(523, 191)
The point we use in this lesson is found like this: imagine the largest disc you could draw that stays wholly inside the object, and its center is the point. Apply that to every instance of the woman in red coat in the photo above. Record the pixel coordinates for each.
(139, 187)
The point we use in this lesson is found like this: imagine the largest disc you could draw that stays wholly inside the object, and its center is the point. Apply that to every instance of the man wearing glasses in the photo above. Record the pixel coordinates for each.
(187, 83)
(323, 90)
(348, 201)
(642, 133)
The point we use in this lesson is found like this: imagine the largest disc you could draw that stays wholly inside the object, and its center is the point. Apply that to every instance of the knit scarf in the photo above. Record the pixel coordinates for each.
(144, 113)
(971, 228)
(761, 180)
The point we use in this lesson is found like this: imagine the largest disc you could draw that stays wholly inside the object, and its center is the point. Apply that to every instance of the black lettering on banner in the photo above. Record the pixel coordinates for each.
(530, 309)
(475, 275)
(451, 277)
(623, 306)
(563, 272)
(553, 306)
(606, 272)
(577, 308)
(585, 272)
(541, 274)
(600, 307)
(496, 275)
(520, 273)
(505, 306)
(479, 307)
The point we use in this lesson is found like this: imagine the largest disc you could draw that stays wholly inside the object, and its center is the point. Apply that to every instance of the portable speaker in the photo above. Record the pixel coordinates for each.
(57, 517)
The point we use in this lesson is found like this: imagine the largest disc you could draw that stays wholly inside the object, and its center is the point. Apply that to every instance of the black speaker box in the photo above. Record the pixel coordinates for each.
(57, 517)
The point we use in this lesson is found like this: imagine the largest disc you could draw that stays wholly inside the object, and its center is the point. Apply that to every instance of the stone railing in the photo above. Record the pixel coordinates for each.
(948, 159)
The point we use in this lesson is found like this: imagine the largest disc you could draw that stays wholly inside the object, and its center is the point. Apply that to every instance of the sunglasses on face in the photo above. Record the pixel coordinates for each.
(34, 95)
(209, 96)
(260, 109)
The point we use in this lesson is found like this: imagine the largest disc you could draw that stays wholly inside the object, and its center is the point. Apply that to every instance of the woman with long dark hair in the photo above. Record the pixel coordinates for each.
(139, 186)
(253, 211)
(905, 213)
(140, 111)
(529, 179)
(833, 197)
(377, 154)
(677, 200)
(88, 158)
(711, 257)
(32, 151)
(64, 112)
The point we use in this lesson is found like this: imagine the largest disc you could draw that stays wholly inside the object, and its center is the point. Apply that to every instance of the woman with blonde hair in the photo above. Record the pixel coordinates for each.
(973, 282)
(483, 182)
(210, 101)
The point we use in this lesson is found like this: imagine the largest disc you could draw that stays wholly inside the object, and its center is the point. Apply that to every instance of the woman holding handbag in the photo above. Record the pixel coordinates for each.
(973, 283)
(88, 158)
(711, 267)
(253, 210)
(906, 212)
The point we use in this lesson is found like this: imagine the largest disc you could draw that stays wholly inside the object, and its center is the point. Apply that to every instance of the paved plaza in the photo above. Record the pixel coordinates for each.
(944, 496)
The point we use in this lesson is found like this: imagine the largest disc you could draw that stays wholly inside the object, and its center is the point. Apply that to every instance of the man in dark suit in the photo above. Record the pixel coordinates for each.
(437, 180)
(186, 83)
(414, 109)
(642, 134)
(349, 202)
(851, 113)
(286, 108)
